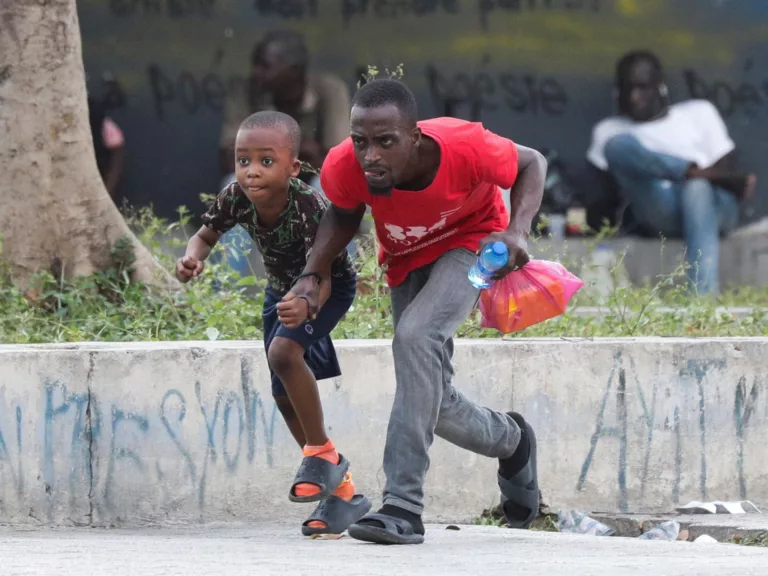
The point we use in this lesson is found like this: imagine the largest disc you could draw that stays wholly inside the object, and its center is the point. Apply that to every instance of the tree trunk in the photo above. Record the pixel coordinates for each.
(53, 203)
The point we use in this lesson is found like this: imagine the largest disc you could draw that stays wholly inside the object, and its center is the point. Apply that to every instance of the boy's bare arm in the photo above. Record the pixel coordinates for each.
(198, 249)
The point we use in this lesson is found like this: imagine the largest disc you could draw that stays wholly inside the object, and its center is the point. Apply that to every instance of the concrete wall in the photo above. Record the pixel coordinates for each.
(538, 71)
(187, 432)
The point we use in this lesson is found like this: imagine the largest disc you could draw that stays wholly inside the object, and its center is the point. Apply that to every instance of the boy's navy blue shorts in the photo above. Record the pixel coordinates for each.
(314, 336)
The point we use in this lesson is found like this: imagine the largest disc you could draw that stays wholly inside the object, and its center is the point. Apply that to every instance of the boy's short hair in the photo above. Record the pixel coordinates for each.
(274, 119)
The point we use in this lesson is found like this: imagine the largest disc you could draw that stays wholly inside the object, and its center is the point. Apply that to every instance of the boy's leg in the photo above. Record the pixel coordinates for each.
(270, 324)
(299, 357)
(428, 308)
(288, 354)
(283, 404)
(286, 359)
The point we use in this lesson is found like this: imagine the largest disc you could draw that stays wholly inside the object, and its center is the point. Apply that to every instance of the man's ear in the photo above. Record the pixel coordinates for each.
(416, 136)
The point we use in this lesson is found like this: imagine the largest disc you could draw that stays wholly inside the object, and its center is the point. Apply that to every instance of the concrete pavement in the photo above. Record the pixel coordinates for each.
(264, 550)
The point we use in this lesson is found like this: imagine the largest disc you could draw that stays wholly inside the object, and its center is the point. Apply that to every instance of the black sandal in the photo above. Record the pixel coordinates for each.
(392, 530)
(321, 473)
(522, 490)
(337, 515)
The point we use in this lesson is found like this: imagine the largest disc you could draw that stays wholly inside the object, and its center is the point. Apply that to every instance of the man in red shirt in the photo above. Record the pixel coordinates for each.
(433, 188)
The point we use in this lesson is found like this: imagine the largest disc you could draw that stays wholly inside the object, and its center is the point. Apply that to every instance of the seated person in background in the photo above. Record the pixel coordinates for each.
(108, 144)
(673, 165)
(280, 80)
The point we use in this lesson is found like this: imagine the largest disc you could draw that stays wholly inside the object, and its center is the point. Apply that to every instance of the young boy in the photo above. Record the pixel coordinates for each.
(281, 214)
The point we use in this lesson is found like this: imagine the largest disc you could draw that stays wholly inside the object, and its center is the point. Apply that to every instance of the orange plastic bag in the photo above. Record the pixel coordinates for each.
(539, 291)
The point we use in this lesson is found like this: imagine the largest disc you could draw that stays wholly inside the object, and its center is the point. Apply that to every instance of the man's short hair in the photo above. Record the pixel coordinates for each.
(385, 92)
(291, 45)
(274, 119)
(625, 64)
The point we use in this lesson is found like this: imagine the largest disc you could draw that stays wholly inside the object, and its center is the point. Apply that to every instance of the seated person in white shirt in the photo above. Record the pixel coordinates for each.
(672, 165)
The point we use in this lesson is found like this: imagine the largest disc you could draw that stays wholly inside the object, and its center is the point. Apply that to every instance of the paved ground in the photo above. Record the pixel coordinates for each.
(268, 549)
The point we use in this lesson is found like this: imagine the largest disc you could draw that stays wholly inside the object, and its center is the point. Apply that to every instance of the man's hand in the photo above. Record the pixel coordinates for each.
(517, 244)
(188, 268)
(314, 292)
(292, 310)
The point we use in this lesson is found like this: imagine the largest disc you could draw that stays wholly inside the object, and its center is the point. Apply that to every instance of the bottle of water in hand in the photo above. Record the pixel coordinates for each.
(492, 258)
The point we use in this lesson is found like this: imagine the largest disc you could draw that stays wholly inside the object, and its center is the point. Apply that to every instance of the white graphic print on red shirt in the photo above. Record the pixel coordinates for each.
(411, 235)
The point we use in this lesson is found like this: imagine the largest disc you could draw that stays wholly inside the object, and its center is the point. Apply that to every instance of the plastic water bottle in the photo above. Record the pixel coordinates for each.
(493, 257)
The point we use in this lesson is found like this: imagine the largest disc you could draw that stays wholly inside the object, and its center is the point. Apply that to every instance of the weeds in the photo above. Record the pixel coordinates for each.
(221, 304)
(760, 540)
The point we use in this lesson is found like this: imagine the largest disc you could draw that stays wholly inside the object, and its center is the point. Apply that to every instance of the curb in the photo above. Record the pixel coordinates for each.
(721, 527)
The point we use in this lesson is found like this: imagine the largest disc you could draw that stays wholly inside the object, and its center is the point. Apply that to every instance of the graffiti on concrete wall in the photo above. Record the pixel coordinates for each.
(107, 443)
(694, 394)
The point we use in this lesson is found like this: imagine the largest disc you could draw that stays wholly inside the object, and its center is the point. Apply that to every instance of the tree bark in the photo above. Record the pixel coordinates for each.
(53, 203)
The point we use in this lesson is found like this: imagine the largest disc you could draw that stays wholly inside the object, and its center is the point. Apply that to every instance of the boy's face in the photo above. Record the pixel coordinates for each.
(264, 162)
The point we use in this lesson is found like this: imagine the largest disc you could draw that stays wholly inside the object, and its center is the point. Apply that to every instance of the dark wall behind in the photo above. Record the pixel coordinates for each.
(538, 71)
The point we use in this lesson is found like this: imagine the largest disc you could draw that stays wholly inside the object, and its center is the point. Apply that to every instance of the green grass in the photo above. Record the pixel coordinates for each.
(222, 305)
(493, 516)
(760, 540)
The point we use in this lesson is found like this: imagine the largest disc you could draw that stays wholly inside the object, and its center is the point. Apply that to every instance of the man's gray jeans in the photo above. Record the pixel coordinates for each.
(428, 308)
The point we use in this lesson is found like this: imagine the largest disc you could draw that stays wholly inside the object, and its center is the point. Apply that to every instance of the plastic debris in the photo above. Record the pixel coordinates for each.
(575, 522)
(719, 507)
(326, 536)
(667, 531)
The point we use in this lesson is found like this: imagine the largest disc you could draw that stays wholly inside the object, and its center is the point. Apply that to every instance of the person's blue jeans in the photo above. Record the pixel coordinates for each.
(664, 202)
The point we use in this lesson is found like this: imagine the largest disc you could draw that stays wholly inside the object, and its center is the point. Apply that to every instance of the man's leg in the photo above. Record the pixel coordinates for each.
(629, 159)
(665, 202)
(649, 182)
(708, 211)
(428, 309)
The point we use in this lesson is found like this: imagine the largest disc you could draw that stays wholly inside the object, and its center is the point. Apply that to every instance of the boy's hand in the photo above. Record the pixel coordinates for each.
(188, 268)
(292, 310)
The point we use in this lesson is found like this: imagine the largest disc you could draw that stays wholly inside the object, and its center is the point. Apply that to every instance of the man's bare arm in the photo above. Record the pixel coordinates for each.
(337, 228)
(722, 174)
(528, 189)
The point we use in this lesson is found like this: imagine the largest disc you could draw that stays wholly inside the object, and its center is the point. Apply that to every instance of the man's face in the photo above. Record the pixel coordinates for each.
(384, 145)
(271, 73)
(639, 94)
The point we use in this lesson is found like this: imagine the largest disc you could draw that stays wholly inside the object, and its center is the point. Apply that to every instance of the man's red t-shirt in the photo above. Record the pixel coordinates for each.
(461, 206)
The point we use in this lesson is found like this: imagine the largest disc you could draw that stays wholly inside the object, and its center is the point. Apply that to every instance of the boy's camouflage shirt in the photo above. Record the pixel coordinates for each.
(286, 246)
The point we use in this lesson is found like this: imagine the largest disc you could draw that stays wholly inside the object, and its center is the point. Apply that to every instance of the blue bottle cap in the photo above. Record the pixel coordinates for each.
(499, 248)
